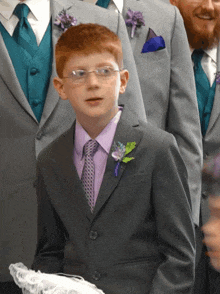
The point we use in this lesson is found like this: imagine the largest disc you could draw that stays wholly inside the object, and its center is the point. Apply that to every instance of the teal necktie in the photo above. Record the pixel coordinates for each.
(103, 3)
(23, 33)
(202, 86)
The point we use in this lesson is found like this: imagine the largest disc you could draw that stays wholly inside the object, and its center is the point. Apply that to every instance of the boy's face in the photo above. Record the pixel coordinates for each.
(93, 96)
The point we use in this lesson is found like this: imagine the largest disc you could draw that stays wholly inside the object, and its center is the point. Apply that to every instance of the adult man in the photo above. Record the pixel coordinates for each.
(202, 23)
(163, 80)
(32, 113)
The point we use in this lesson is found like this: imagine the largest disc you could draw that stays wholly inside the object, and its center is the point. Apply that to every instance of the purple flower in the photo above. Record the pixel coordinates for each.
(218, 77)
(135, 20)
(119, 152)
(64, 20)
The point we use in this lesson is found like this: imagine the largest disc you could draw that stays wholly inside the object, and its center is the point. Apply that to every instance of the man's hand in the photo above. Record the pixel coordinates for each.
(212, 232)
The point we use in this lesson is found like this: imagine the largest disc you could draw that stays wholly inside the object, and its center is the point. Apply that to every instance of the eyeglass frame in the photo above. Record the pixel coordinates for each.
(82, 79)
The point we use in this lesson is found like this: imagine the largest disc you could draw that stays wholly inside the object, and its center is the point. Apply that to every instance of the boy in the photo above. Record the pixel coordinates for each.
(122, 221)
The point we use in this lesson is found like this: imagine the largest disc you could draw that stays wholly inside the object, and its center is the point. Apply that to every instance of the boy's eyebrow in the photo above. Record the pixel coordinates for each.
(98, 65)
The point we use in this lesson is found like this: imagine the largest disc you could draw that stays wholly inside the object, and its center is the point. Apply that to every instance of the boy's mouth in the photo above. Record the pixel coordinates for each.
(94, 101)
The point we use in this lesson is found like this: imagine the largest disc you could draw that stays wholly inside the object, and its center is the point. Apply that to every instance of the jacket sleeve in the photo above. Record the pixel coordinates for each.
(51, 233)
(183, 116)
(175, 229)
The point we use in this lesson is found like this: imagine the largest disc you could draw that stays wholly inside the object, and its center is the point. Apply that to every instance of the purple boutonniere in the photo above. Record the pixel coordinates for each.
(64, 20)
(119, 153)
(218, 77)
(135, 20)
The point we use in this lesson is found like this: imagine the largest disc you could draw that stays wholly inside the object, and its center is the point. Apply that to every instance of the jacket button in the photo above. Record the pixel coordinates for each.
(96, 276)
(33, 71)
(40, 135)
(35, 103)
(93, 235)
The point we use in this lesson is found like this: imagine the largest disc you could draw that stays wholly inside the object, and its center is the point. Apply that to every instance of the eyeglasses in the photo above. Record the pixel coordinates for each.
(80, 75)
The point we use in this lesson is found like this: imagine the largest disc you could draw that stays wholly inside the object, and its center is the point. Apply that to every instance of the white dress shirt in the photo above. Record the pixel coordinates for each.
(38, 17)
(209, 64)
(116, 5)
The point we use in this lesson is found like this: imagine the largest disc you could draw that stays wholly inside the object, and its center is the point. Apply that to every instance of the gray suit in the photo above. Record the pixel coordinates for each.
(207, 278)
(22, 138)
(167, 84)
(140, 237)
(211, 140)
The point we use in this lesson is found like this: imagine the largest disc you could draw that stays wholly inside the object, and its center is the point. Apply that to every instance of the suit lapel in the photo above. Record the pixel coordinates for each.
(216, 105)
(140, 35)
(52, 96)
(74, 201)
(9, 77)
(125, 132)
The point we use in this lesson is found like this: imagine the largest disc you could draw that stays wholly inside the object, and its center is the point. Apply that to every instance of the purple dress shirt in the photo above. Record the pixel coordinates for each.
(105, 139)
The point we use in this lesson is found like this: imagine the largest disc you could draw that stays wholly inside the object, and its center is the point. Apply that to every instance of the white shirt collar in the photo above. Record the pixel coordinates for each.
(36, 6)
(119, 4)
(210, 52)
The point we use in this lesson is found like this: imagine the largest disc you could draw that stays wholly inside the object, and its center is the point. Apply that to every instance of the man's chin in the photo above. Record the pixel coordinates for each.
(204, 38)
(203, 41)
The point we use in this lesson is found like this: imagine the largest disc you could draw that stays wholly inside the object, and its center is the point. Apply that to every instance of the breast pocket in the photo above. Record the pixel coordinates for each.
(153, 63)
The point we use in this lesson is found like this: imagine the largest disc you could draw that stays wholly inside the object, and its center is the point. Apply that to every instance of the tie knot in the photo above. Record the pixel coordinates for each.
(21, 11)
(90, 147)
(197, 56)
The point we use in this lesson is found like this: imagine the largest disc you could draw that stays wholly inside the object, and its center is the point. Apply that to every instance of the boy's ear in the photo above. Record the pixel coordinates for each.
(174, 2)
(124, 77)
(59, 86)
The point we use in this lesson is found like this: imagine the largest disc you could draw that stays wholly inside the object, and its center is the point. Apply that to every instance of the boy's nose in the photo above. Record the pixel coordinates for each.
(92, 80)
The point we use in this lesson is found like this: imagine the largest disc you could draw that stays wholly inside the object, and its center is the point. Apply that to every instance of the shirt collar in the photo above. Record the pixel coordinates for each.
(36, 6)
(104, 138)
(119, 4)
(210, 52)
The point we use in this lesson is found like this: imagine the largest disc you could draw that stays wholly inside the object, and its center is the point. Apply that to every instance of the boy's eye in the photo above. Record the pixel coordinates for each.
(105, 71)
(80, 73)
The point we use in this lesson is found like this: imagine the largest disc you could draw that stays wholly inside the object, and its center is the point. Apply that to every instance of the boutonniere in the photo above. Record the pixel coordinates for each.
(217, 78)
(134, 19)
(64, 20)
(119, 152)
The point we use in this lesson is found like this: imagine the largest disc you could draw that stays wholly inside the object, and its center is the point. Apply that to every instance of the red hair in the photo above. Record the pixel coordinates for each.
(87, 39)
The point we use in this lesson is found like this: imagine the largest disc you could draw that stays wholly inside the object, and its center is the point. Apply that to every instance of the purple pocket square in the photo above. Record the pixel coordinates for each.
(153, 42)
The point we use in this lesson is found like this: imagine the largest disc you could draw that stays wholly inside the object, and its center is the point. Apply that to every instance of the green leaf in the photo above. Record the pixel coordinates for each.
(129, 147)
(127, 159)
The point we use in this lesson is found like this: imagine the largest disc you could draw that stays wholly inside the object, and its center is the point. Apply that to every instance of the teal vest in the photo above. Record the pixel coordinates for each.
(33, 72)
(205, 109)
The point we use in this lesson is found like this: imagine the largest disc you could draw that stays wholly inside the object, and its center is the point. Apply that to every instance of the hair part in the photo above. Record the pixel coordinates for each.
(87, 39)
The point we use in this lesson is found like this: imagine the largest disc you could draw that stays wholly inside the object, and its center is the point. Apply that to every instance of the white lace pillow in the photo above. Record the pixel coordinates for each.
(32, 282)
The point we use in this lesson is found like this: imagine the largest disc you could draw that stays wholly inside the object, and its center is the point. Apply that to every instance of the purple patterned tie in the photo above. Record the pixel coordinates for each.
(88, 174)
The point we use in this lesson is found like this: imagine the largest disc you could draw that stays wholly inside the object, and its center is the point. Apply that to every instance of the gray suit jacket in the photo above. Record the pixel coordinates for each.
(211, 140)
(22, 138)
(140, 237)
(167, 84)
